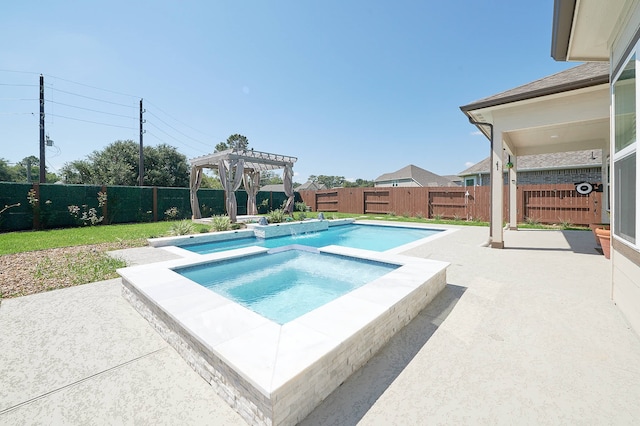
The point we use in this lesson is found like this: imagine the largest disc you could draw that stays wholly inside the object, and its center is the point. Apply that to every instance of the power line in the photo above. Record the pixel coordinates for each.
(89, 97)
(92, 87)
(178, 121)
(20, 72)
(93, 122)
(89, 109)
(18, 85)
(155, 136)
(170, 126)
(174, 138)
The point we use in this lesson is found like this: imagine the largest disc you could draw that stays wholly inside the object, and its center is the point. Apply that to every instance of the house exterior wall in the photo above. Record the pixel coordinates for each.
(549, 177)
(398, 182)
(626, 288)
(626, 256)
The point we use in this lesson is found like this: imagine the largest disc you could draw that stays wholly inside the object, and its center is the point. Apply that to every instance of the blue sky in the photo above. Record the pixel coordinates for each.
(354, 89)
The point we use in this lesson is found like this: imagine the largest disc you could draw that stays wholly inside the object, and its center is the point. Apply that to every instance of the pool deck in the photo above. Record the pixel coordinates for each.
(527, 334)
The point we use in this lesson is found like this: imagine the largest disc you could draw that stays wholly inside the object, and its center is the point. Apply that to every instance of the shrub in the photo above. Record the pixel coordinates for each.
(276, 216)
(221, 223)
(183, 227)
(206, 211)
(531, 221)
(301, 216)
(300, 206)
(565, 224)
(86, 215)
(172, 213)
(263, 207)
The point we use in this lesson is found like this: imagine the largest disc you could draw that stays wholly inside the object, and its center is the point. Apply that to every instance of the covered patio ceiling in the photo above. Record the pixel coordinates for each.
(568, 111)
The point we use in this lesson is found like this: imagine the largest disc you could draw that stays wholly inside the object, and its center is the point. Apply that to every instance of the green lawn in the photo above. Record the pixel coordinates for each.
(17, 242)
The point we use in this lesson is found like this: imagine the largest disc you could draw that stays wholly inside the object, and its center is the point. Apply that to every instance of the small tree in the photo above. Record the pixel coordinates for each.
(235, 141)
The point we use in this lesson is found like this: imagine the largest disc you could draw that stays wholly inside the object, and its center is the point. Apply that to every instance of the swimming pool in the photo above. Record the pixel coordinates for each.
(271, 372)
(274, 373)
(362, 236)
(286, 284)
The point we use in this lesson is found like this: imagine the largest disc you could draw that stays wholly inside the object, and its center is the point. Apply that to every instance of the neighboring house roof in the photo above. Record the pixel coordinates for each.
(278, 187)
(421, 176)
(553, 161)
(585, 75)
(453, 178)
(311, 186)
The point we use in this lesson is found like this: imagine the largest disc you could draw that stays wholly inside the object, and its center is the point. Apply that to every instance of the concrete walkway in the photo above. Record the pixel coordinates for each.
(525, 335)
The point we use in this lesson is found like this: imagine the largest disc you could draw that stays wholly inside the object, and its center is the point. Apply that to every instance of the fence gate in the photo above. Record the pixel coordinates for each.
(376, 201)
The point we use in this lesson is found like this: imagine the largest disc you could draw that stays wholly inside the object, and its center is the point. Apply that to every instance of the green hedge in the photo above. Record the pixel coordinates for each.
(125, 204)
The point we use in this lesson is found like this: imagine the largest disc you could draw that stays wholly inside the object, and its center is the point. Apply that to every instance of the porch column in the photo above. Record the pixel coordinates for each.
(497, 188)
(604, 215)
(513, 194)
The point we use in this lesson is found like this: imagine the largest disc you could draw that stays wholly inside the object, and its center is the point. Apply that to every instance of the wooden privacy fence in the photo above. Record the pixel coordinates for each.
(559, 203)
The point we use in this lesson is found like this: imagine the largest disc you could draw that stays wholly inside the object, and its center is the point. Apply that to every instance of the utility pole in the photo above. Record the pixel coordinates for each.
(43, 172)
(141, 162)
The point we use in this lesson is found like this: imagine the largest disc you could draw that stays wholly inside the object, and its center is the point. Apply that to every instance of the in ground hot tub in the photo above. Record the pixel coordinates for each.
(271, 372)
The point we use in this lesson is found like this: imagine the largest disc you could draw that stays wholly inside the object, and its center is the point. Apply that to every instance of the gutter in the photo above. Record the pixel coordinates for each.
(563, 12)
(490, 125)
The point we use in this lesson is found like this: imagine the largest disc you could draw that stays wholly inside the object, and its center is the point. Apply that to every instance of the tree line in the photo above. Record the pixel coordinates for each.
(164, 166)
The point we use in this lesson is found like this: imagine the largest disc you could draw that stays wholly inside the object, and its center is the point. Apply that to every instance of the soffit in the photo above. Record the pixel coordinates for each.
(568, 121)
(591, 29)
(579, 135)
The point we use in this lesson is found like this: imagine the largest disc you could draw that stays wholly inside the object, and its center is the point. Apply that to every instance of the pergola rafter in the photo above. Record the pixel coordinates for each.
(236, 166)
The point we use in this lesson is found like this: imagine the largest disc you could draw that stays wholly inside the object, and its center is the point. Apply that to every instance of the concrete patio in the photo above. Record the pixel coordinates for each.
(527, 334)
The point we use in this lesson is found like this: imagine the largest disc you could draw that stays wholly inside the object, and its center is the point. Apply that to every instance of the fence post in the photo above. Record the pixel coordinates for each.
(104, 206)
(155, 203)
(35, 208)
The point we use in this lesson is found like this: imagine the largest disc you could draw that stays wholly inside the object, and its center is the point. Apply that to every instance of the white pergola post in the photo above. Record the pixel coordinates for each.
(497, 240)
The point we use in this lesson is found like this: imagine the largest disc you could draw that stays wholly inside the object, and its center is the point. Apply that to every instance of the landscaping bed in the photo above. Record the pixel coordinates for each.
(43, 270)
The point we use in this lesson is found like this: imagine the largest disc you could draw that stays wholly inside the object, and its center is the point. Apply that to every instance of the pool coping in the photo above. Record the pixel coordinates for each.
(172, 244)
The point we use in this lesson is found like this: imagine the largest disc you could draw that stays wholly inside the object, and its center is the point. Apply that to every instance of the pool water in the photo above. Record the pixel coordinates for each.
(369, 237)
(285, 285)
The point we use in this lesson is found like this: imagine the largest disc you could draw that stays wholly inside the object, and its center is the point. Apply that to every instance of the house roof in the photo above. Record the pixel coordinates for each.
(421, 176)
(277, 187)
(551, 161)
(311, 186)
(585, 75)
(453, 178)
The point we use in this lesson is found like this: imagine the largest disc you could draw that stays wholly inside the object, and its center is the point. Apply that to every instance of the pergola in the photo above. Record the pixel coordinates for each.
(237, 166)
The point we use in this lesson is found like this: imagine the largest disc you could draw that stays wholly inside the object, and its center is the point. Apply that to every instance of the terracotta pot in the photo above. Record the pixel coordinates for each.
(595, 226)
(605, 241)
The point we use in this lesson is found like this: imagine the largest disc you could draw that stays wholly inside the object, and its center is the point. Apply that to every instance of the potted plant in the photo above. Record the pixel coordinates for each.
(604, 235)
(595, 226)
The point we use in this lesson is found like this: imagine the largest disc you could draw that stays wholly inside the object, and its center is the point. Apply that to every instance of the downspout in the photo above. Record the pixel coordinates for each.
(480, 123)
